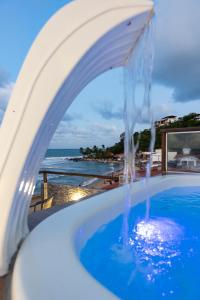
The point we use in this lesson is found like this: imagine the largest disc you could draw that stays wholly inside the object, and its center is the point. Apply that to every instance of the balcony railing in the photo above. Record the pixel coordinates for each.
(43, 201)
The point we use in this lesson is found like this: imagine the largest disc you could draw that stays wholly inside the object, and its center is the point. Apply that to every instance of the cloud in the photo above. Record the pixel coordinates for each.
(5, 93)
(107, 111)
(177, 55)
(6, 88)
(70, 135)
(71, 117)
(157, 112)
(1, 115)
(3, 78)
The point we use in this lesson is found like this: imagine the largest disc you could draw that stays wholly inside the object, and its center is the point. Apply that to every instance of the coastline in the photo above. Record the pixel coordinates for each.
(115, 168)
(97, 160)
(101, 184)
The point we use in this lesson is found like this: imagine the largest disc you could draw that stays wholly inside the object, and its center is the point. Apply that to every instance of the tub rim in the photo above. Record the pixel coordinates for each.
(35, 274)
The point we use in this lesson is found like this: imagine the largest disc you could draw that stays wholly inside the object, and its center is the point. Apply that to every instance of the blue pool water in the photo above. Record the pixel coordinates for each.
(162, 260)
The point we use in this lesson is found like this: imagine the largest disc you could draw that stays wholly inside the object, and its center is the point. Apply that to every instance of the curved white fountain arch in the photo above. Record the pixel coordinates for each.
(83, 40)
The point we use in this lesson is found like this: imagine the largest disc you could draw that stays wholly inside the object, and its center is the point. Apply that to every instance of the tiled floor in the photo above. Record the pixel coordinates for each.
(37, 217)
(34, 220)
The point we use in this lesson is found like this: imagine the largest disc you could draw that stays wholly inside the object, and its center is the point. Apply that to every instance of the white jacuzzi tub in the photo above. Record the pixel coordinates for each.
(48, 266)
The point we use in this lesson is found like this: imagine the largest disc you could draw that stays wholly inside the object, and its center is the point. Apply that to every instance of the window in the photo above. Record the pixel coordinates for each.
(181, 150)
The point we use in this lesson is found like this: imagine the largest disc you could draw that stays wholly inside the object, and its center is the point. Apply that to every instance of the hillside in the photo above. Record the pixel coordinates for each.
(144, 138)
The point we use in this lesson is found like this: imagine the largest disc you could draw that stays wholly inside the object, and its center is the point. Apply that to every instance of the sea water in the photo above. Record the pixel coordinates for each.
(62, 160)
(162, 260)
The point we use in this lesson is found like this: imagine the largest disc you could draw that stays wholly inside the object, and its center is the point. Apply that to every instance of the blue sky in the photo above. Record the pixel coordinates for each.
(95, 116)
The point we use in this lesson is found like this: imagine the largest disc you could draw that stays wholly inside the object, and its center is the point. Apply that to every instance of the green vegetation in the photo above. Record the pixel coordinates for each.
(144, 139)
(97, 153)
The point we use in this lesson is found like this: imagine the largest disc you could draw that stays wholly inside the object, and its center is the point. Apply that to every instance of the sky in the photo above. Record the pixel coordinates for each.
(95, 117)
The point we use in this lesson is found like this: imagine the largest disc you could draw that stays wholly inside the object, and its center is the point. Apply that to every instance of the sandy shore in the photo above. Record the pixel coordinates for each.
(102, 161)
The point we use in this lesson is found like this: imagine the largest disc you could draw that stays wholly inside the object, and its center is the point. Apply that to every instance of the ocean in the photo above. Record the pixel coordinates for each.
(59, 160)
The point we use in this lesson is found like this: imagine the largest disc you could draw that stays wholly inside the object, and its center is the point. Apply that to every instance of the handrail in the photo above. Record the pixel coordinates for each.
(44, 195)
(40, 202)
(112, 177)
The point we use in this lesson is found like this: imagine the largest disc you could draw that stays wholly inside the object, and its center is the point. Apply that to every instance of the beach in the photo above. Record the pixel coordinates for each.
(65, 188)
(71, 161)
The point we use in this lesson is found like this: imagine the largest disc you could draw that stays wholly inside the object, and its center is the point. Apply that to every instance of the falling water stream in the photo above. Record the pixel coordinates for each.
(137, 108)
(149, 236)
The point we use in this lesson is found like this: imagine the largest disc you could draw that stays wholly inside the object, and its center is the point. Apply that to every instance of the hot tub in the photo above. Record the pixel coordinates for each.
(48, 265)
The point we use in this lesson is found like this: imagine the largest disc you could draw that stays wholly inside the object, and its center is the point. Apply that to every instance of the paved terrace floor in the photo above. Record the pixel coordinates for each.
(33, 221)
(37, 217)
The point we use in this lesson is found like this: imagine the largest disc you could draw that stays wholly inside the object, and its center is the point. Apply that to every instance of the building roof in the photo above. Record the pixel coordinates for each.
(169, 117)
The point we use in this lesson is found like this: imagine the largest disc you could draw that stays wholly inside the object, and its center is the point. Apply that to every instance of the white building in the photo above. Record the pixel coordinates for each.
(156, 156)
(197, 118)
(166, 121)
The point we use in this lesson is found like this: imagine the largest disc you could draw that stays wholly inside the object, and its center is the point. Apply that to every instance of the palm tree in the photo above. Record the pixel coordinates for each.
(95, 149)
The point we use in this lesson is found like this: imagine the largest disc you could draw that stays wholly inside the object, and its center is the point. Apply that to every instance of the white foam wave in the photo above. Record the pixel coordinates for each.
(55, 158)
(50, 176)
(89, 181)
(60, 158)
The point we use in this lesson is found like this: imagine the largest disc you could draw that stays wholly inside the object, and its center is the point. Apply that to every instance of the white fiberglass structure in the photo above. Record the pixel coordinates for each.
(83, 40)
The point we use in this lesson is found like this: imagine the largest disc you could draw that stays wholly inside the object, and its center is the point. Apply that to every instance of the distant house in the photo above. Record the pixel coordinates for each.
(155, 156)
(197, 117)
(118, 157)
(166, 121)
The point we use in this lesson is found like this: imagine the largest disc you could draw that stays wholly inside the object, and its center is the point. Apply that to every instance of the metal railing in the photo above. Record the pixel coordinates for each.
(42, 200)
(46, 172)
(40, 203)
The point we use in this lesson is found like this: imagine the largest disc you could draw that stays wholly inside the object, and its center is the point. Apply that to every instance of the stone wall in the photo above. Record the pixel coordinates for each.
(66, 193)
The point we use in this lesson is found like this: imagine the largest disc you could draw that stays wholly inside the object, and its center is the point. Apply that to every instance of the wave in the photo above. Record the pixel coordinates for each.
(88, 182)
(62, 157)
(73, 157)
(54, 160)
(63, 164)
(50, 177)
(50, 161)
